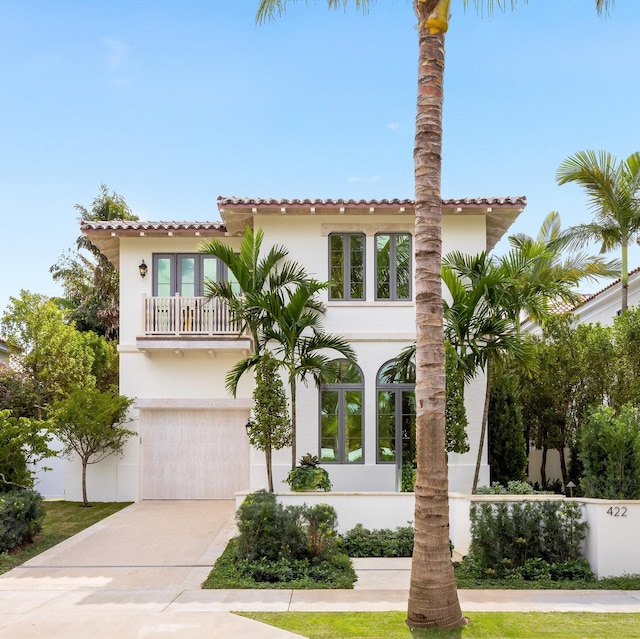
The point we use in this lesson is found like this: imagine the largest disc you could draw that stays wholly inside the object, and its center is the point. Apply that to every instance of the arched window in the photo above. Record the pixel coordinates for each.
(396, 415)
(341, 417)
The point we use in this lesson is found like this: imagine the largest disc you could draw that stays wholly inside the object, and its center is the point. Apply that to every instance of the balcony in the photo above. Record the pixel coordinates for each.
(189, 323)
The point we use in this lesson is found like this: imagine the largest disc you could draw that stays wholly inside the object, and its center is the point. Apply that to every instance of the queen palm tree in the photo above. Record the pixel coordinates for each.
(292, 330)
(546, 271)
(252, 275)
(479, 325)
(300, 342)
(613, 188)
(433, 600)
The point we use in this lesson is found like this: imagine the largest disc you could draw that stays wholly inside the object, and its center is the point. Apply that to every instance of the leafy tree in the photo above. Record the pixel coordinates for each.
(613, 188)
(625, 337)
(89, 281)
(271, 428)
(610, 452)
(17, 393)
(573, 372)
(507, 450)
(105, 365)
(23, 441)
(433, 601)
(51, 353)
(455, 412)
(88, 422)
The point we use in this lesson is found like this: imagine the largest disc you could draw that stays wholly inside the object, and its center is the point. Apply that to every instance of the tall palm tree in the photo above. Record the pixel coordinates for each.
(479, 325)
(613, 188)
(299, 341)
(433, 599)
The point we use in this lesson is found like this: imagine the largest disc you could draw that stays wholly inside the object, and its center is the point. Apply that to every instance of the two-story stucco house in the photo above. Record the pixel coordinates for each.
(176, 346)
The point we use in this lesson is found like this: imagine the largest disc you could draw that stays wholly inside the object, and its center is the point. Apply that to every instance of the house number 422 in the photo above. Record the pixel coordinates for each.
(617, 511)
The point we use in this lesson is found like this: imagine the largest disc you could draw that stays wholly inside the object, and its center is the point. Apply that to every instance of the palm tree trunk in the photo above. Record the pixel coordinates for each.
(292, 386)
(624, 273)
(433, 598)
(483, 431)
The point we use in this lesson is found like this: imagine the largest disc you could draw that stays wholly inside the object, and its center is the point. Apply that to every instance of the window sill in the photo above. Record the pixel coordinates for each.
(365, 304)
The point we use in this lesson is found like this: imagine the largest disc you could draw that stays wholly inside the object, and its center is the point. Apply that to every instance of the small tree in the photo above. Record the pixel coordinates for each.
(610, 452)
(89, 423)
(22, 441)
(271, 427)
(507, 448)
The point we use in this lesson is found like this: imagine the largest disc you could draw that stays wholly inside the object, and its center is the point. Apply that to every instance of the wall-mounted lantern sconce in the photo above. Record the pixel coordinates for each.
(142, 268)
(248, 426)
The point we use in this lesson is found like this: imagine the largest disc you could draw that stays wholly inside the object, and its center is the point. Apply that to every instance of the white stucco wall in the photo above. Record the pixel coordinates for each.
(377, 331)
(605, 306)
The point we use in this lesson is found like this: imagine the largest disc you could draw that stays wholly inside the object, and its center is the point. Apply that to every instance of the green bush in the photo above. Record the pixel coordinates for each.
(514, 487)
(361, 542)
(307, 475)
(525, 539)
(408, 477)
(296, 546)
(609, 448)
(20, 518)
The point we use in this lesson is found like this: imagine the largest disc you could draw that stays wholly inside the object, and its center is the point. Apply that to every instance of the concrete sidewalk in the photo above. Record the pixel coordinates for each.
(137, 574)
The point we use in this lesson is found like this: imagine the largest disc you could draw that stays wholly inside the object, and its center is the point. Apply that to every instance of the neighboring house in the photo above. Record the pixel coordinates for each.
(4, 351)
(605, 305)
(176, 347)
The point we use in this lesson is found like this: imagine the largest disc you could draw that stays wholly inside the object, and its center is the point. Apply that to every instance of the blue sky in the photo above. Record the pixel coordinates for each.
(172, 103)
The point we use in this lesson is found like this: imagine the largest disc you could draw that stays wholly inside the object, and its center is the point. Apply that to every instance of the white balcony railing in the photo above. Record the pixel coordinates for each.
(187, 316)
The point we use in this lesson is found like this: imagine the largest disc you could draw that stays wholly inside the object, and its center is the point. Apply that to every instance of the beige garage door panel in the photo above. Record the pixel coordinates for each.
(193, 454)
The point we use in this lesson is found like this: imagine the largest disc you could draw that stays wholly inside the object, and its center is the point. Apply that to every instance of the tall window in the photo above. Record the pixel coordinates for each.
(346, 266)
(184, 273)
(393, 266)
(396, 416)
(341, 418)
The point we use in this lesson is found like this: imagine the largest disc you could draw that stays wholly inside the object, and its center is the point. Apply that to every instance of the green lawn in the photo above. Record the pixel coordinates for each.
(482, 625)
(62, 519)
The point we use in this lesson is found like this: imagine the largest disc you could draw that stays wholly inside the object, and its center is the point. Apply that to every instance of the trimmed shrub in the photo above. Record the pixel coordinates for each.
(610, 452)
(361, 542)
(295, 545)
(526, 539)
(20, 518)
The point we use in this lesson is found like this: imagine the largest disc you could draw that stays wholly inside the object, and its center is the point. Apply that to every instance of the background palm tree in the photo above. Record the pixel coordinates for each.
(433, 599)
(613, 188)
(547, 271)
(479, 325)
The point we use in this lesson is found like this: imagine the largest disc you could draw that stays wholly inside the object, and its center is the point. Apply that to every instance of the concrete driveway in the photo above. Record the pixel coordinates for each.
(123, 578)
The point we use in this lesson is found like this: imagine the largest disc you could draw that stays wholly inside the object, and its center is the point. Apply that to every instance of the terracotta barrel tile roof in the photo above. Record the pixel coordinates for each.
(480, 201)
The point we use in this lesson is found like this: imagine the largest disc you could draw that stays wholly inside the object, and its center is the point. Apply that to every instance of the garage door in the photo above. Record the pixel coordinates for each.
(193, 454)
